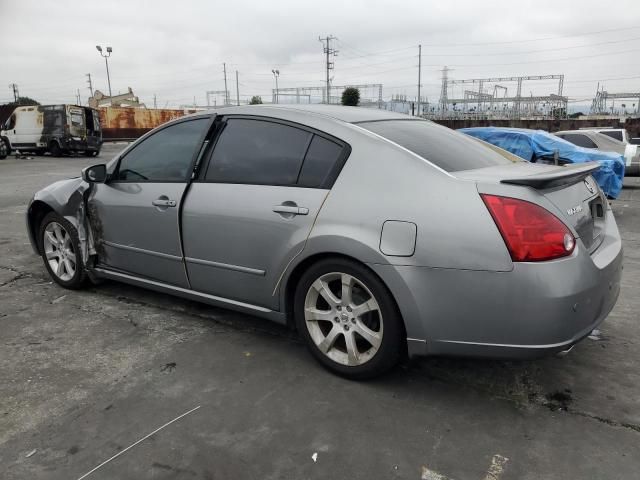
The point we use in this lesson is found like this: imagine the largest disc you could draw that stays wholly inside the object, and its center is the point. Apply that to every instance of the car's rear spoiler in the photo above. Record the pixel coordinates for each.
(564, 175)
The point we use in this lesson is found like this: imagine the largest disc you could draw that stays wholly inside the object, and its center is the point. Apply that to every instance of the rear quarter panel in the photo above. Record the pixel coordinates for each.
(381, 182)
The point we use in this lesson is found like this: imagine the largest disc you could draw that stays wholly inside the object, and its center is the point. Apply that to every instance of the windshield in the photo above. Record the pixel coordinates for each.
(446, 148)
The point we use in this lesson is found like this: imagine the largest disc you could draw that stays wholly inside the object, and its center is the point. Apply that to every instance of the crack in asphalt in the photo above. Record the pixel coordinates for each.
(18, 275)
(558, 401)
(555, 402)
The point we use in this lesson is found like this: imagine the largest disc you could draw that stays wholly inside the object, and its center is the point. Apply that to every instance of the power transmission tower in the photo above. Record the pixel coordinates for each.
(237, 90)
(78, 97)
(226, 95)
(443, 90)
(326, 43)
(419, 74)
(89, 82)
(16, 94)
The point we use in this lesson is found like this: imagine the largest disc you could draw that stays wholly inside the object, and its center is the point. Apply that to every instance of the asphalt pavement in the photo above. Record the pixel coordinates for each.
(84, 375)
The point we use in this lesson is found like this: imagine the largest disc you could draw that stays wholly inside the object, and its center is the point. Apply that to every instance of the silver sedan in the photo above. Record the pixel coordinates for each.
(375, 234)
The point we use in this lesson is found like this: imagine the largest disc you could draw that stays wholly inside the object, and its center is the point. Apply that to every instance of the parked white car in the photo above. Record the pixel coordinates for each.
(601, 140)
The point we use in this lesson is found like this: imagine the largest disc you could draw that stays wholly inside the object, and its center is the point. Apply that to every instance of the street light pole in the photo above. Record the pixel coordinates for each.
(276, 74)
(106, 62)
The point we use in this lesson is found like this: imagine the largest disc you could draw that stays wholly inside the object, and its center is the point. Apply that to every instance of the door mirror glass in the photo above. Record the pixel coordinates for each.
(95, 174)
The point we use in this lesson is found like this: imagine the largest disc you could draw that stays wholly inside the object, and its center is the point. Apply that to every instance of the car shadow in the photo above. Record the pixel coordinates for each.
(518, 382)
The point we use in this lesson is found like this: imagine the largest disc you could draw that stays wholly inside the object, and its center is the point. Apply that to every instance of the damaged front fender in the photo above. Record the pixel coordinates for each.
(69, 199)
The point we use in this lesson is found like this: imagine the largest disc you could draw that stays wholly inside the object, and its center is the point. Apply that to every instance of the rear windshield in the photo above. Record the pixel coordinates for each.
(617, 134)
(450, 150)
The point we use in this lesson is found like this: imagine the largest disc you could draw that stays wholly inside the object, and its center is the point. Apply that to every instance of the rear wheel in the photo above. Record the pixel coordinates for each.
(348, 319)
(60, 248)
(55, 149)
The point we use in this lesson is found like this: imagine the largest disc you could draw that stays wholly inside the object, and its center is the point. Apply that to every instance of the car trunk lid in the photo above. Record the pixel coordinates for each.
(571, 188)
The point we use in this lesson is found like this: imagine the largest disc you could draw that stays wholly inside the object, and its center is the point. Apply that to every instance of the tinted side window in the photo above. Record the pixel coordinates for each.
(165, 156)
(258, 152)
(580, 140)
(613, 134)
(320, 163)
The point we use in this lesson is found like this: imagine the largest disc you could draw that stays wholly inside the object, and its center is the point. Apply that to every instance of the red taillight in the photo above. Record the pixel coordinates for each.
(531, 233)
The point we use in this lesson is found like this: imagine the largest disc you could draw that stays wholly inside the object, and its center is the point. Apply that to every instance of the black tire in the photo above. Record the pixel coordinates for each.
(79, 277)
(55, 149)
(390, 322)
(4, 149)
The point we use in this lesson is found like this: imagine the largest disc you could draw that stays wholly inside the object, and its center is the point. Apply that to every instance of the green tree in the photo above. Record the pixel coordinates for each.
(351, 96)
(255, 100)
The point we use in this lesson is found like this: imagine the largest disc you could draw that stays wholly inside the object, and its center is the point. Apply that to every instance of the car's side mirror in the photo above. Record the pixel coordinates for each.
(95, 173)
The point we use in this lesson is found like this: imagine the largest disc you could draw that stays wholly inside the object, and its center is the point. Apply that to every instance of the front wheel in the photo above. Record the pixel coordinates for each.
(55, 149)
(60, 249)
(348, 319)
(4, 149)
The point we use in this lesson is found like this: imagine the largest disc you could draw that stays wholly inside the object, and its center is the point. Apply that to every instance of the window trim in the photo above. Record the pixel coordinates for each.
(331, 178)
(197, 153)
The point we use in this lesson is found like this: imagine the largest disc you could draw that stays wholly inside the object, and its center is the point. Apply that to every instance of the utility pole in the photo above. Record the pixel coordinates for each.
(419, 74)
(88, 75)
(326, 42)
(226, 91)
(16, 94)
(155, 102)
(237, 90)
(78, 97)
(276, 74)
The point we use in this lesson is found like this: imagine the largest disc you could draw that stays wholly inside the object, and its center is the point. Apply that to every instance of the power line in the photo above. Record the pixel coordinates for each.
(546, 59)
(582, 34)
(530, 51)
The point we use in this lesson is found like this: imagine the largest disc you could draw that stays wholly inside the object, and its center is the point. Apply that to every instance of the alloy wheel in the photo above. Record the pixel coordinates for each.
(343, 318)
(59, 251)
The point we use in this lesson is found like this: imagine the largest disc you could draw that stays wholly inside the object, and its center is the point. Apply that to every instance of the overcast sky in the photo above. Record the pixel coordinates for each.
(175, 49)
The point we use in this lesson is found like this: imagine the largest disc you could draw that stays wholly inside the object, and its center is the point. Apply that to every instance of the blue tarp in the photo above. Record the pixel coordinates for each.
(533, 145)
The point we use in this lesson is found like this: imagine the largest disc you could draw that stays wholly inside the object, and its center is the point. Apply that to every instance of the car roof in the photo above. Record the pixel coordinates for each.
(591, 134)
(337, 112)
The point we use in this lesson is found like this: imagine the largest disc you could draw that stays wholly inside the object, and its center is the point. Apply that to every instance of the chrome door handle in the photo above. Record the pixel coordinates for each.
(161, 202)
(291, 209)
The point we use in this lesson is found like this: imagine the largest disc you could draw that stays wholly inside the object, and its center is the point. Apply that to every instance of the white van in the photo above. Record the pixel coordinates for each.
(57, 129)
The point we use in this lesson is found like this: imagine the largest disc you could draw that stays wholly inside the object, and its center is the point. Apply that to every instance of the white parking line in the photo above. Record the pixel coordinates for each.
(496, 468)
(428, 474)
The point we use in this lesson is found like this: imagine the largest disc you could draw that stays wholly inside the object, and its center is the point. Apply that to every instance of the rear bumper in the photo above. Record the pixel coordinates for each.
(85, 145)
(532, 310)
